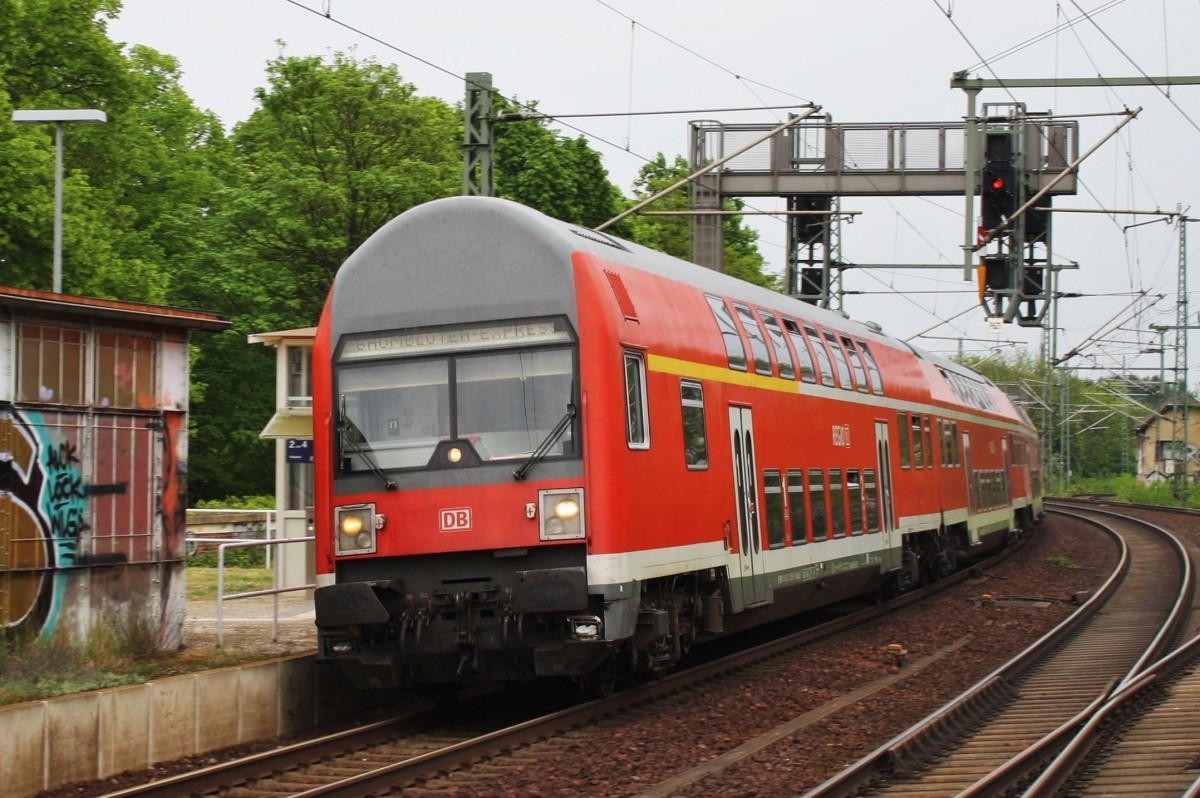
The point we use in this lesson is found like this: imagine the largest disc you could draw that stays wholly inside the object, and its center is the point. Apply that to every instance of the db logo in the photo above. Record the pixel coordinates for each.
(456, 518)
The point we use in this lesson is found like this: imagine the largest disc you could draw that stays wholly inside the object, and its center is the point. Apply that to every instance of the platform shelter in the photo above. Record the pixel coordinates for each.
(291, 427)
(93, 464)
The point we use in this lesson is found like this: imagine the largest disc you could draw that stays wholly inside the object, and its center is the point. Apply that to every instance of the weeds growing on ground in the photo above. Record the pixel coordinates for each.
(122, 650)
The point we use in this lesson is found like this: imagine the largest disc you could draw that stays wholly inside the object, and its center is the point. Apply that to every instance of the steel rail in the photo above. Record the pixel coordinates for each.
(1151, 672)
(910, 751)
(220, 778)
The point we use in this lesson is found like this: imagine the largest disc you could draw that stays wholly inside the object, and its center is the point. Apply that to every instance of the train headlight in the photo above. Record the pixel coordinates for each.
(356, 527)
(561, 514)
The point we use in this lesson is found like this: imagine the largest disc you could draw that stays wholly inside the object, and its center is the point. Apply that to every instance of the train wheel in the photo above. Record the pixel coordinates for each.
(601, 681)
(444, 695)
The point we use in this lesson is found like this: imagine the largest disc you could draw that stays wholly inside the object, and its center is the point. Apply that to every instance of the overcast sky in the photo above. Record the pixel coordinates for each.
(874, 61)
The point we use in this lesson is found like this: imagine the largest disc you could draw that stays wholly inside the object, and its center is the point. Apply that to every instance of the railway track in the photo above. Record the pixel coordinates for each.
(1050, 707)
(1143, 742)
(416, 751)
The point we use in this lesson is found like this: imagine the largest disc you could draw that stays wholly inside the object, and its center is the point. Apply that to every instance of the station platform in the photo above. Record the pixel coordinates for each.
(246, 625)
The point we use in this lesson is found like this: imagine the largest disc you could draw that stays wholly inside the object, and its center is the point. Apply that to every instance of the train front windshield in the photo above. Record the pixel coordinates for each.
(505, 404)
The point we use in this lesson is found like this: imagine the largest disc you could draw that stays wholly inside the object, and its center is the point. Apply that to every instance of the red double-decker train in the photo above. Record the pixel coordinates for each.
(545, 451)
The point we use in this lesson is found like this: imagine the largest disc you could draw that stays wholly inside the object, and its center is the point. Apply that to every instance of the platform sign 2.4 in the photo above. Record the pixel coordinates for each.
(299, 450)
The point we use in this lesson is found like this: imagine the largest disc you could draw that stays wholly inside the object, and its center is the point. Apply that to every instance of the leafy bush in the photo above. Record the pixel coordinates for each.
(239, 503)
(242, 557)
(1127, 488)
(123, 650)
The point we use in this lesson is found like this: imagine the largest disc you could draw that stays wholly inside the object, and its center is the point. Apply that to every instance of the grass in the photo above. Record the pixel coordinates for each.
(202, 582)
(119, 651)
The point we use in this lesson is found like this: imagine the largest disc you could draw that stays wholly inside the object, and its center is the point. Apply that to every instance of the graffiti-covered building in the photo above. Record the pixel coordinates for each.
(93, 463)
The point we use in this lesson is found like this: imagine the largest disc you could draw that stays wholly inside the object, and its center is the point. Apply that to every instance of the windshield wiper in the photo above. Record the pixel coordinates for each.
(543, 448)
(347, 430)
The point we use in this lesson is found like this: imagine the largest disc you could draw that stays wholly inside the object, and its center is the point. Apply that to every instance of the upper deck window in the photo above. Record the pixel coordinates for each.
(758, 343)
(839, 360)
(872, 367)
(782, 356)
(808, 371)
(860, 373)
(734, 349)
(823, 361)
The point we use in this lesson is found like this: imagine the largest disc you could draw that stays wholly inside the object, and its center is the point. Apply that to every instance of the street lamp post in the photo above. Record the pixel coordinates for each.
(59, 118)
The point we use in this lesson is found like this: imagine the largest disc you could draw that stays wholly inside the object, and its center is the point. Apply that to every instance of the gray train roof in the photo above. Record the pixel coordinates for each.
(471, 255)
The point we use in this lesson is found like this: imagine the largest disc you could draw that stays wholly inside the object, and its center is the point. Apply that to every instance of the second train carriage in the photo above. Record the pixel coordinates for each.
(545, 451)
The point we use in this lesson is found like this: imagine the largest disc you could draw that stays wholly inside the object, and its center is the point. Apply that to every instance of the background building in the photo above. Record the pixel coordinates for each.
(93, 463)
(1165, 450)
(291, 427)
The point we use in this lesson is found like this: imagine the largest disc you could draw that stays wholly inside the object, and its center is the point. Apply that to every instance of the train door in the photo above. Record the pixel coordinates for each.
(753, 577)
(972, 497)
(1007, 471)
(883, 455)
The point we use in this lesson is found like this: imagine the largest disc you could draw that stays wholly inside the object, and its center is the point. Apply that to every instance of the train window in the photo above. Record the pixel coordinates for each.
(837, 503)
(956, 384)
(735, 351)
(871, 499)
(956, 444)
(782, 356)
(637, 423)
(860, 373)
(508, 403)
(695, 436)
(395, 412)
(773, 493)
(905, 444)
(928, 442)
(823, 362)
(855, 500)
(403, 401)
(839, 361)
(917, 452)
(820, 504)
(796, 506)
(758, 343)
(803, 353)
(872, 367)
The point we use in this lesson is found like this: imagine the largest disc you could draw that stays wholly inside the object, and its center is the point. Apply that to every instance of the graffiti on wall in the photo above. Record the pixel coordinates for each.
(64, 500)
(47, 508)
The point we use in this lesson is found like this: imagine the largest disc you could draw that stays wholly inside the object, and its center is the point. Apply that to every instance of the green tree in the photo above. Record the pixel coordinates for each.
(336, 149)
(1088, 426)
(133, 187)
(673, 234)
(561, 177)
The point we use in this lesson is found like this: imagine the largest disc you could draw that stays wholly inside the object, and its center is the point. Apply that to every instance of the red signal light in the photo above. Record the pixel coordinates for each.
(997, 183)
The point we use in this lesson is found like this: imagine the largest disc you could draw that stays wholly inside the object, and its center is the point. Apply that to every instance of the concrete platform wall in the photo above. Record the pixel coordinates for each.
(95, 735)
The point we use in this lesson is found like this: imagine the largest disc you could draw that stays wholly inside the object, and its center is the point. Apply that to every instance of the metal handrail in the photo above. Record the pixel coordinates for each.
(273, 591)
